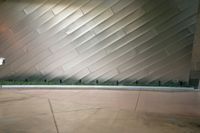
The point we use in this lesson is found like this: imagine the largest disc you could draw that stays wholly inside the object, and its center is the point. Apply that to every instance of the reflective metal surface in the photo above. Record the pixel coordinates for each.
(123, 40)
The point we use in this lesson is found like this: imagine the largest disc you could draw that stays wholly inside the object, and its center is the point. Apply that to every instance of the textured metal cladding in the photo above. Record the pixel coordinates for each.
(144, 40)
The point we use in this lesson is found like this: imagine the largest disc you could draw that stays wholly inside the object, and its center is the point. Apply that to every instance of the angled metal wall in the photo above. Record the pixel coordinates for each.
(143, 40)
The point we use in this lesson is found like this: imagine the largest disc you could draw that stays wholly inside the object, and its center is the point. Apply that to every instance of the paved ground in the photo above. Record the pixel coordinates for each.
(98, 111)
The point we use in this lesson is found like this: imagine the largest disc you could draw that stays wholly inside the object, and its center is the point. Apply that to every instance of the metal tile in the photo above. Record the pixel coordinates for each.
(34, 6)
(55, 61)
(92, 4)
(62, 15)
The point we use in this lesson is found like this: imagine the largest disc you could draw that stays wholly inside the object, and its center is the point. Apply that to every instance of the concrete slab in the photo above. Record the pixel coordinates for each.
(23, 107)
(98, 111)
(27, 124)
(180, 103)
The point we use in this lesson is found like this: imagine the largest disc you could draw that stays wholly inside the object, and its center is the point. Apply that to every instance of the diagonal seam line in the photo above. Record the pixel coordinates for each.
(54, 119)
(137, 100)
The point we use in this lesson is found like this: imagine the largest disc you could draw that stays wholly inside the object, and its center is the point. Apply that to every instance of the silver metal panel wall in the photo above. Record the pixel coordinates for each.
(123, 40)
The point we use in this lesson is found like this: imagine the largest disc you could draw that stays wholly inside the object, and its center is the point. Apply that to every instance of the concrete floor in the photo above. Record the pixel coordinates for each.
(98, 111)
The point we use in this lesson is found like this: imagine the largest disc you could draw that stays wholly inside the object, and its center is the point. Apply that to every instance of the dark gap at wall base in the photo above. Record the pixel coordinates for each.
(97, 82)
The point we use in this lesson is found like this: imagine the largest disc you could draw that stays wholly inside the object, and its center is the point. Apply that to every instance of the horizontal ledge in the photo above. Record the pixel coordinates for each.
(101, 87)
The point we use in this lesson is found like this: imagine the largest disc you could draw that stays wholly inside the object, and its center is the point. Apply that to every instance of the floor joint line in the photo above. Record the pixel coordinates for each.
(137, 100)
(54, 119)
